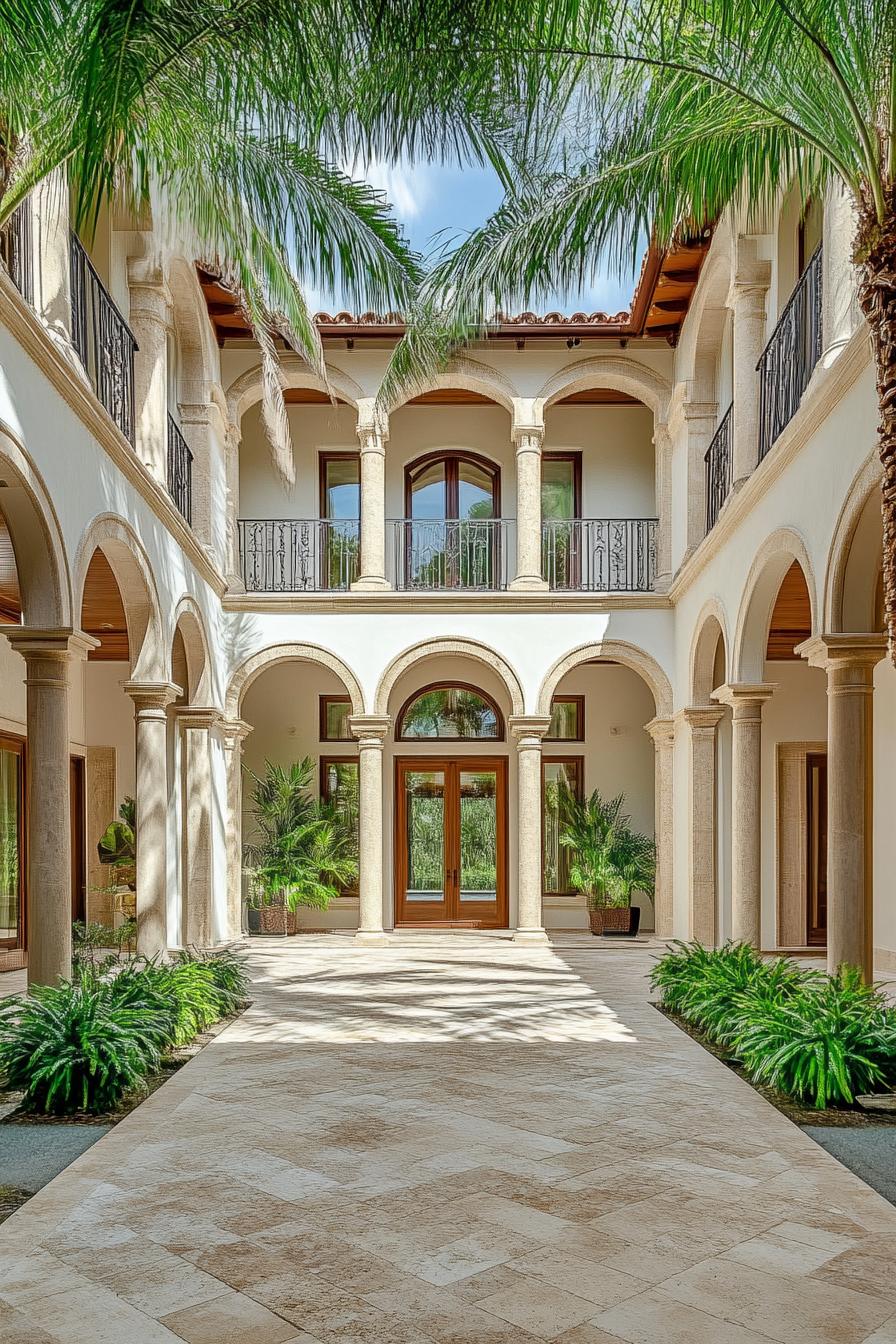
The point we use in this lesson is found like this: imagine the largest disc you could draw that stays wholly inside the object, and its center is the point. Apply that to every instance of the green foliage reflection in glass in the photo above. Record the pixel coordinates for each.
(426, 830)
(478, 832)
(452, 712)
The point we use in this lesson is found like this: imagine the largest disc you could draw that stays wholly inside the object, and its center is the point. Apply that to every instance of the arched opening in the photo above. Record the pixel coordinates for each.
(709, 846)
(450, 711)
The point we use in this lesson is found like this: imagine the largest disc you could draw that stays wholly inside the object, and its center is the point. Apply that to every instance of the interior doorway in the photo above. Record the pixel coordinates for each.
(451, 841)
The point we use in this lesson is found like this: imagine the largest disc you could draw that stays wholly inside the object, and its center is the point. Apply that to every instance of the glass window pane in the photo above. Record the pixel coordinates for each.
(478, 836)
(428, 492)
(475, 491)
(557, 858)
(558, 488)
(341, 787)
(335, 720)
(425, 799)
(565, 720)
(10, 857)
(342, 487)
(450, 711)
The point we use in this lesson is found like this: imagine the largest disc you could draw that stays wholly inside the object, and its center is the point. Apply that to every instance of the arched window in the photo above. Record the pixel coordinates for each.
(453, 485)
(450, 710)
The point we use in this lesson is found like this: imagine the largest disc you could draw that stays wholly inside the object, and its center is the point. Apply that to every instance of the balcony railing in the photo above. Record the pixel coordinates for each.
(180, 470)
(790, 356)
(103, 340)
(16, 251)
(599, 555)
(719, 463)
(439, 554)
(299, 555)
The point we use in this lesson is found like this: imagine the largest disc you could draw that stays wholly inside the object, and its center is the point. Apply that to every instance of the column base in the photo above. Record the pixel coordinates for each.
(372, 938)
(528, 583)
(531, 937)
(371, 583)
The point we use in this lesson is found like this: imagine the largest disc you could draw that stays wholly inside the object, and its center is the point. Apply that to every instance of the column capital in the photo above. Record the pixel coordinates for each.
(745, 698)
(702, 719)
(199, 716)
(234, 732)
(50, 642)
(528, 438)
(662, 731)
(528, 729)
(370, 729)
(839, 650)
(149, 696)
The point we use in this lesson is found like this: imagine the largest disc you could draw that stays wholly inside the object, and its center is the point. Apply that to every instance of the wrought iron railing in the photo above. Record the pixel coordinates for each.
(599, 555)
(792, 352)
(299, 555)
(16, 250)
(719, 463)
(180, 470)
(103, 340)
(437, 554)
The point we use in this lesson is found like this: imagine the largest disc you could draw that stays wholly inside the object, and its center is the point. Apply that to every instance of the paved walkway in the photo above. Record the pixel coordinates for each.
(451, 1140)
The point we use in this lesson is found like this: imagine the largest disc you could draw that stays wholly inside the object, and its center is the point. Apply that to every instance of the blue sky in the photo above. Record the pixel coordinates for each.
(430, 199)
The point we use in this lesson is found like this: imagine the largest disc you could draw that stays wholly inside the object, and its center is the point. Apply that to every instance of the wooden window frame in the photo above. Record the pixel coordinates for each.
(580, 718)
(451, 460)
(323, 789)
(322, 460)
(578, 761)
(449, 686)
(323, 701)
(575, 457)
(13, 742)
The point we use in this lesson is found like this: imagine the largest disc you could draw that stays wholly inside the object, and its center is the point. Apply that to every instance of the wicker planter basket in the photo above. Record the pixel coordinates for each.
(614, 921)
(270, 920)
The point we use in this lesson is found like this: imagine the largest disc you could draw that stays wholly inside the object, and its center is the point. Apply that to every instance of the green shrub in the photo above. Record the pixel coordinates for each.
(73, 1047)
(227, 972)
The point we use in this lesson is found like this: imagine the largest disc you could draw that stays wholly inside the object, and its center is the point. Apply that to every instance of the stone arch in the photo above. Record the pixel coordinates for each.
(613, 371)
(189, 621)
(471, 376)
(850, 523)
(136, 583)
(246, 390)
(698, 350)
(41, 561)
(465, 648)
(618, 651)
(711, 626)
(249, 670)
(199, 363)
(773, 559)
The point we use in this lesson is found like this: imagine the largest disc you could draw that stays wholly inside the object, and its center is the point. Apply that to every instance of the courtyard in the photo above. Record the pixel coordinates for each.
(451, 1138)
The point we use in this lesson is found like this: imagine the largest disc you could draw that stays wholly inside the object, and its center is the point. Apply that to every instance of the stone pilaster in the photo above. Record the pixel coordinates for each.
(48, 655)
(373, 436)
(701, 421)
(150, 321)
(662, 733)
(746, 701)
(747, 302)
(528, 439)
(849, 661)
(234, 733)
(234, 566)
(371, 731)
(703, 820)
(527, 731)
(662, 451)
(151, 700)
(197, 871)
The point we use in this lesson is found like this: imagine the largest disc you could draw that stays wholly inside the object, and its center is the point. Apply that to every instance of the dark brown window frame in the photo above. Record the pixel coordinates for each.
(322, 460)
(322, 702)
(574, 456)
(580, 718)
(19, 746)
(449, 686)
(579, 762)
(451, 460)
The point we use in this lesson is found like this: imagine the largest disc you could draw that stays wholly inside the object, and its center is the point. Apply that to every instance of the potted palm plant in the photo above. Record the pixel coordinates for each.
(117, 849)
(303, 853)
(609, 860)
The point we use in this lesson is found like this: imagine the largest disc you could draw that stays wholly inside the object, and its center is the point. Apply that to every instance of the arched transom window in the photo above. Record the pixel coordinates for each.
(452, 485)
(450, 710)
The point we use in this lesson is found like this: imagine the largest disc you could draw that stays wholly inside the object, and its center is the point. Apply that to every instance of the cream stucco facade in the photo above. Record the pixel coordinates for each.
(662, 626)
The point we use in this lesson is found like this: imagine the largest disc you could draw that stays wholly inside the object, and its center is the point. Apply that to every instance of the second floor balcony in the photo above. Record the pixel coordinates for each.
(103, 340)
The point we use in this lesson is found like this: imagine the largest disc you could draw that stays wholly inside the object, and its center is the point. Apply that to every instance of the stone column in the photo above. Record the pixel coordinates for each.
(234, 732)
(150, 323)
(372, 438)
(151, 699)
(849, 661)
(197, 871)
(196, 427)
(746, 701)
(662, 732)
(49, 206)
(747, 302)
(662, 448)
(234, 567)
(370, 730)
(47, 655)
(528, 441)
(703, 723)
(841, 314)
(700, 421)
(528, 731)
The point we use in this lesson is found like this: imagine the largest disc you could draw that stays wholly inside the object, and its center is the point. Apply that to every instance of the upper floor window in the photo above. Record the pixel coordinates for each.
(561, 486)
(453, 711)
(335, 711)
(567, 719)
(452, 485)
(340, 485)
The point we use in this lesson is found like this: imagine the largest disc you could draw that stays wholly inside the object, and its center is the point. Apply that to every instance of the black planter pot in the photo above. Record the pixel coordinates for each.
(253, 919)
(615, 921)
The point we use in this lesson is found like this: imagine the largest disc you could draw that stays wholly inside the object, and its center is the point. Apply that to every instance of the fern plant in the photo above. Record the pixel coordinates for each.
(610, 860)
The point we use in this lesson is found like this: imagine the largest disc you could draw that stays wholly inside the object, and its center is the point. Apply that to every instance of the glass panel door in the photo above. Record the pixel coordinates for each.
(560, 512)
(478, 826)
(422, 837)
(11, 836)
(340, 510)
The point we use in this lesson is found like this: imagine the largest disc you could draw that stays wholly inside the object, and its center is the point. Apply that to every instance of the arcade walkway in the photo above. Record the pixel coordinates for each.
(451, 1140)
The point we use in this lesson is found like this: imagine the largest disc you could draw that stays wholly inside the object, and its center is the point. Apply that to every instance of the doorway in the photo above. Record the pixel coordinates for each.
(817, 857)
(451, 841)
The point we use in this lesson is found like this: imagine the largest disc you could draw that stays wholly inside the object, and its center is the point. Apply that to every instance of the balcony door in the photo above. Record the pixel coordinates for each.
(451, 841)
(561, 512)
(340, 511)
(451, 540)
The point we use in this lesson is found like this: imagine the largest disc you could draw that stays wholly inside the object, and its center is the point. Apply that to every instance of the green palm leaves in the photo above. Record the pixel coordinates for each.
(609, 859)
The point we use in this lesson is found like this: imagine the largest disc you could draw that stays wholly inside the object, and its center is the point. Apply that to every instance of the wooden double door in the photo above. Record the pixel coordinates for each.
(451, 841)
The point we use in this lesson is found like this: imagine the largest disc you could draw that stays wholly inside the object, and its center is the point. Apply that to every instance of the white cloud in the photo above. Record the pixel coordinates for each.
(408, 186)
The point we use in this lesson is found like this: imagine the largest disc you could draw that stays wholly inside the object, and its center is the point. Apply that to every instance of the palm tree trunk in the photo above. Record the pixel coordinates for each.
(876, 254)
